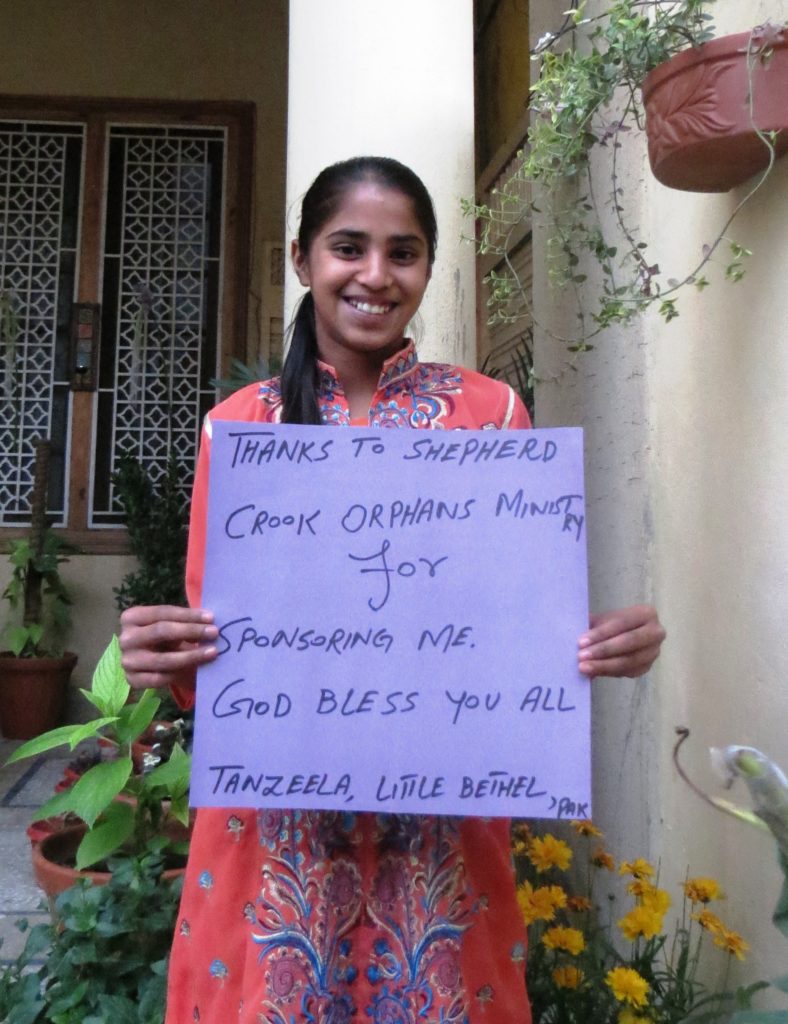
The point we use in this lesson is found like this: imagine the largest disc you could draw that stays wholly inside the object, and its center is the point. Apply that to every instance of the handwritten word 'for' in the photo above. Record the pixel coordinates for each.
(388, 573)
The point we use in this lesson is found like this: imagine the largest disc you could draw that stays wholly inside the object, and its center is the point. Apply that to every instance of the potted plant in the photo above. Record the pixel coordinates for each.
(587, 99)
(103, 958)
(35, 669)
(156, 514)
(118, 812)
(716, 114)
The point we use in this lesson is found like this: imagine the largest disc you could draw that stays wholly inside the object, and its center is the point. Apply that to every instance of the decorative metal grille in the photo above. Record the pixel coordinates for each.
(160, 301)
(40, 184)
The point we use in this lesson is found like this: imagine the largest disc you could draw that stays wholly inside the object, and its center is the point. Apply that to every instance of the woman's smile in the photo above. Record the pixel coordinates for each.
(376, 309)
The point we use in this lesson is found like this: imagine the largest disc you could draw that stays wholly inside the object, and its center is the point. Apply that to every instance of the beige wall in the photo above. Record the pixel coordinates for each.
(168, 49)
(687, 468)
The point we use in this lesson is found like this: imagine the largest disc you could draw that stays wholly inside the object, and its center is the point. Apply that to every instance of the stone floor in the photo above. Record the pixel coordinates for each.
(24, 787)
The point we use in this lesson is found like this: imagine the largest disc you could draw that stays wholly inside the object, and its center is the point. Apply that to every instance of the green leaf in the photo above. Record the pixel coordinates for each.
(64, 734)
(60, 803)
(179, 809)
(135, 718)
(115, 827)
(90, 729)
(110, 686)
(20, 554)
(98, 787)
(173, 774)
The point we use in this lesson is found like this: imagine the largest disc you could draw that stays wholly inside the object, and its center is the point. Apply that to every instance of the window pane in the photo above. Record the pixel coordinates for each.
(160, 319)
(40, 168)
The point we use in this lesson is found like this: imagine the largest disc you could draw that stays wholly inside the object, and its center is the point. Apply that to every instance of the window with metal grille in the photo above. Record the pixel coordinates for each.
(142, 213)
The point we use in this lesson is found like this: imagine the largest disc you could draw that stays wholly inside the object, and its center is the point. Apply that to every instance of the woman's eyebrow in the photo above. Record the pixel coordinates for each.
(361, 236)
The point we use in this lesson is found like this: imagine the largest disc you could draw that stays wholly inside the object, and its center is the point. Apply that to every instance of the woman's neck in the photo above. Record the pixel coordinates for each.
(359, 375)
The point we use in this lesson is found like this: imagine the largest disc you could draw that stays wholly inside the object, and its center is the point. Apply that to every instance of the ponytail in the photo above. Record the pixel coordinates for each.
(300, 374)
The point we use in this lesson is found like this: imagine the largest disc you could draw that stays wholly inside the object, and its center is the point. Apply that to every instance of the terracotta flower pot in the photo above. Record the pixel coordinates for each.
(33, 694)
(698, 119)
(53, 861)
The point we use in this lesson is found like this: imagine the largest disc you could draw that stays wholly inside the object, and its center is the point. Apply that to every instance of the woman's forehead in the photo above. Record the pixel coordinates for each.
(370, 208)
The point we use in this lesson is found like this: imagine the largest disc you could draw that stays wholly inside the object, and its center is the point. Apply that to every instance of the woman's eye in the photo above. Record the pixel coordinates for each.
(346, 249)
(403, 255)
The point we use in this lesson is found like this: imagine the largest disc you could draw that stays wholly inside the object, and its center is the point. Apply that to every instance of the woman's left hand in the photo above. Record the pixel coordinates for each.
(621, 643)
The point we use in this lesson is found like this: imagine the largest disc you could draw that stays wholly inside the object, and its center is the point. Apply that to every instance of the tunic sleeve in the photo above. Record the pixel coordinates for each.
(515, 416)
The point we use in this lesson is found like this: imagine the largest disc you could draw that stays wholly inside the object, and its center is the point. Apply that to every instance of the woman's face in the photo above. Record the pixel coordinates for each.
(367, 268)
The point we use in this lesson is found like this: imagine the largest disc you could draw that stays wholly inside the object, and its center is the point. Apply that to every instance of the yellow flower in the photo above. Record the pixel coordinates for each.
(639, 868)
(655, 899)
(702, 890)
(549, 852)
(570, 939)
(567, 977)
(602, 859)
(586, 828)
(732, 942)
(628, 1016)
(519, 847)
(580, 903)
(627, 986)
(641, 921)
(540, 904)
(709, 921)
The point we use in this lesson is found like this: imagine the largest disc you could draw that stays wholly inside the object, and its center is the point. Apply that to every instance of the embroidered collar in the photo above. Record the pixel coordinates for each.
(395, 370)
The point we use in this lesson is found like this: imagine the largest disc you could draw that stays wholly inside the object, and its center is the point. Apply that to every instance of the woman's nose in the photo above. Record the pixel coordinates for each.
(374, 271)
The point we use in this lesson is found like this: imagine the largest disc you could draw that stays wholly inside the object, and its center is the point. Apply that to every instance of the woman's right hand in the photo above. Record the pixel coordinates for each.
(162, 645)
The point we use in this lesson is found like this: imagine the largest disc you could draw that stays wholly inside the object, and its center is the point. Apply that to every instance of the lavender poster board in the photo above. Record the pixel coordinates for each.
(398, 615)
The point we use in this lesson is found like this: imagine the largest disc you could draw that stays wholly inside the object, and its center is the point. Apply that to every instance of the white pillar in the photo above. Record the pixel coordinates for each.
(372, 77)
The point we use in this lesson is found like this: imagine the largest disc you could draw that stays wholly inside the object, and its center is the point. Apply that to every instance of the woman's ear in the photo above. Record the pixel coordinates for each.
(299, 263)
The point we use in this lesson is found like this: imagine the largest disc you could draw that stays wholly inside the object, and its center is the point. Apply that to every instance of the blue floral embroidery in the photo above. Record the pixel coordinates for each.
(219, 970)
(311, 904)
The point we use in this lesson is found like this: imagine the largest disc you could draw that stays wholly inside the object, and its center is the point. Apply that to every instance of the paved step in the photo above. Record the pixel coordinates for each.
(24, 787)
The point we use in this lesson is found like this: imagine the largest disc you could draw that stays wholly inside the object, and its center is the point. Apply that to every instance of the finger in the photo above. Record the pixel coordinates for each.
(632, 666)
(150, 680)
(171, 662)
(166, 634)
(645, 637)
(146, 615)
(608, 624)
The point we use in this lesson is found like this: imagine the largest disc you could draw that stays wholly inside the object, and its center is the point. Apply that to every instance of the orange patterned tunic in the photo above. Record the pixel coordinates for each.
(306, 917)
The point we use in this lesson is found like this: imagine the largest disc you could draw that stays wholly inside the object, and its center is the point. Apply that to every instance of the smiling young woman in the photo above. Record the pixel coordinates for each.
(304, 916)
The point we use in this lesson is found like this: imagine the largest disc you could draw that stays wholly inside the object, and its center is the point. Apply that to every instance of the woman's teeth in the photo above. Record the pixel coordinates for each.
(367, 307)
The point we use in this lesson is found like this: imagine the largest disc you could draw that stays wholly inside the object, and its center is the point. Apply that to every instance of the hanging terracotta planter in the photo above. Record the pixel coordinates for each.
(33, 694)
(698, 118)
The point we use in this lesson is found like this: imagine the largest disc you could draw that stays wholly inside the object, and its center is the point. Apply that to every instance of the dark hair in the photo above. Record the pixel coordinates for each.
(322, 200)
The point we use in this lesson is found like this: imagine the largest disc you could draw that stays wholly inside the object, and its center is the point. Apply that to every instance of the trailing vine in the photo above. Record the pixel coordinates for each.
(584, 101)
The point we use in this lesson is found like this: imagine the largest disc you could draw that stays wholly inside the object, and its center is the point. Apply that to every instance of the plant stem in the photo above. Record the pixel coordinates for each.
(38, 524)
